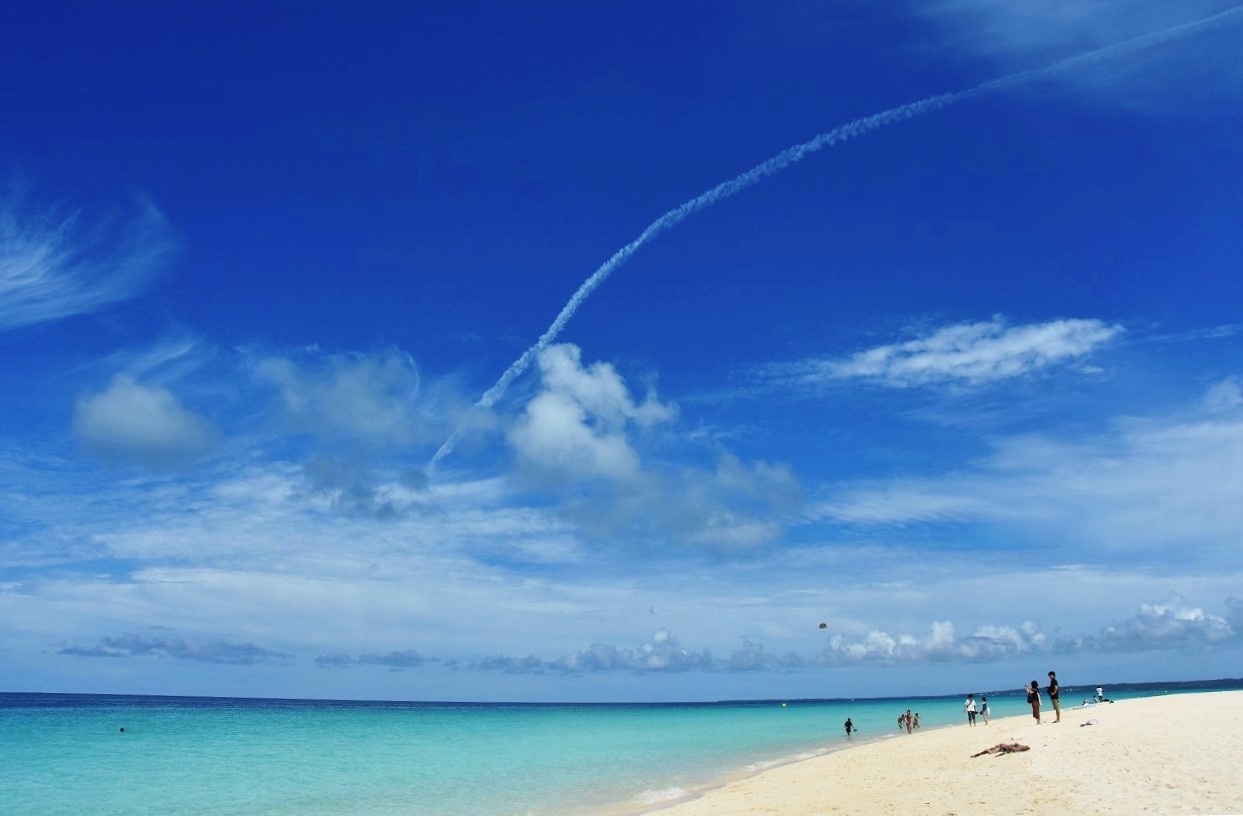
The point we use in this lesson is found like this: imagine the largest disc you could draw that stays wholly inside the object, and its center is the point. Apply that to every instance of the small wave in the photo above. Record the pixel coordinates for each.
(653, 797)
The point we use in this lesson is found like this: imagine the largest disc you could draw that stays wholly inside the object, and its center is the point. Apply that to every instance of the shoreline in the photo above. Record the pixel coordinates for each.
(1173, 753)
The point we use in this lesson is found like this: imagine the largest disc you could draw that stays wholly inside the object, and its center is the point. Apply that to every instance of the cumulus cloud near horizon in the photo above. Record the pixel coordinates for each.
(175, 646)
(140, 424)
(396, 661)
(54, 265)
(1162, 626)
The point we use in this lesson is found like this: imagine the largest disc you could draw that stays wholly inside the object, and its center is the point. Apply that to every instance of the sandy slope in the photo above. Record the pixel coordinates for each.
(1180, 753)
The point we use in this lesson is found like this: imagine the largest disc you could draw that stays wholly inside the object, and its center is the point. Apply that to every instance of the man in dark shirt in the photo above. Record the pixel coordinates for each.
(1053, 692)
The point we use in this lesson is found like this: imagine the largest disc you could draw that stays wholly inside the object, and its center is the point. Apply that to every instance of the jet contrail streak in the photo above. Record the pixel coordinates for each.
(792, 155)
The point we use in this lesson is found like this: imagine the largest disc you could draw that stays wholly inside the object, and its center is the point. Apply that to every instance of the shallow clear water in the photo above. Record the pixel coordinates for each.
(65, 754)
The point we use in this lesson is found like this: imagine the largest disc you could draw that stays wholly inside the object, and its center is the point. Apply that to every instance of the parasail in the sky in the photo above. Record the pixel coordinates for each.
(824, 626)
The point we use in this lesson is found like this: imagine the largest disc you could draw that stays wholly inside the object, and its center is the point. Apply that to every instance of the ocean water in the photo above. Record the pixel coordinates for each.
(66, 754)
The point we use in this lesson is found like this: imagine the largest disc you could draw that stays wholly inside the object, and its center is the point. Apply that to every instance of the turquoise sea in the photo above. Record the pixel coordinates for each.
(66, 754)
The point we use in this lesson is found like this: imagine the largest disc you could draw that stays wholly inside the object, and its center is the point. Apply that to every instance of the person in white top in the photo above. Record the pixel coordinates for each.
(970, 707)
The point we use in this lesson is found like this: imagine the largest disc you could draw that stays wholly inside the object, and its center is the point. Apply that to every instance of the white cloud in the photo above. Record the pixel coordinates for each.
(577, 426)
(54, 266)
(1009, 26)
(369, 398)
(1169, 624)
(140, 424)
(1225, 396)
(1142, 486)
(1156, 627)
(939, 644)
(661, 653)
(585, 429)
(1193, 70)
(971, 353)
(176, 646)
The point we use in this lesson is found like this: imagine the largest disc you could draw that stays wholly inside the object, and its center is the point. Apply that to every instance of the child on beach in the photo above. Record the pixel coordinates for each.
(984, 712)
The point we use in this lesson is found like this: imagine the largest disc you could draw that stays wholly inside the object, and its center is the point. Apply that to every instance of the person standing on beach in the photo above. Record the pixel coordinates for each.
(1033, 697)
(969, 706)
(1054, 690)
(909, 721)
(984, 712)
(849, 726)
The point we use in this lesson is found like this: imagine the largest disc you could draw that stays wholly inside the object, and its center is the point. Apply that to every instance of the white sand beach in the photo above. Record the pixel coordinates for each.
(1174, 754)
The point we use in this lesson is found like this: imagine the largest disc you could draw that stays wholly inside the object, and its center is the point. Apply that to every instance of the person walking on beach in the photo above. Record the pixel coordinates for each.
(849, 726)
(984, 712)
(1033, 697)
(909, 721)
(1054, 690)
(970, 708)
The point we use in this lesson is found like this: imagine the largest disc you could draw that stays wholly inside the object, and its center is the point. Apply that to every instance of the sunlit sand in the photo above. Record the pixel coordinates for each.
(1181, 753)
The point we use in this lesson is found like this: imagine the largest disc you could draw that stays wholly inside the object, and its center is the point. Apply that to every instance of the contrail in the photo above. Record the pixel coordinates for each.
(793, 155)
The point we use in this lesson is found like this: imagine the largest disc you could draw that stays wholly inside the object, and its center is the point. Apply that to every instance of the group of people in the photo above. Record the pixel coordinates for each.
(982, 710)
(1033, 698)
(1054, 691)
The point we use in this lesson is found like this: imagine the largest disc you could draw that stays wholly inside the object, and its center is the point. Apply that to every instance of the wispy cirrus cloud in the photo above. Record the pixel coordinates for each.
(1138, 485)
(1016, 34)
(964, 353)
(54, 265)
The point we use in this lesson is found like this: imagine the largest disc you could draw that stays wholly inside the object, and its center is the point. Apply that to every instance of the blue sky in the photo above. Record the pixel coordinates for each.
(967, 387)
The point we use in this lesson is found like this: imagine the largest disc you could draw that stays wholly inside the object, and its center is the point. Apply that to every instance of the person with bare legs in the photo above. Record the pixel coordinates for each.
(1054, 690)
